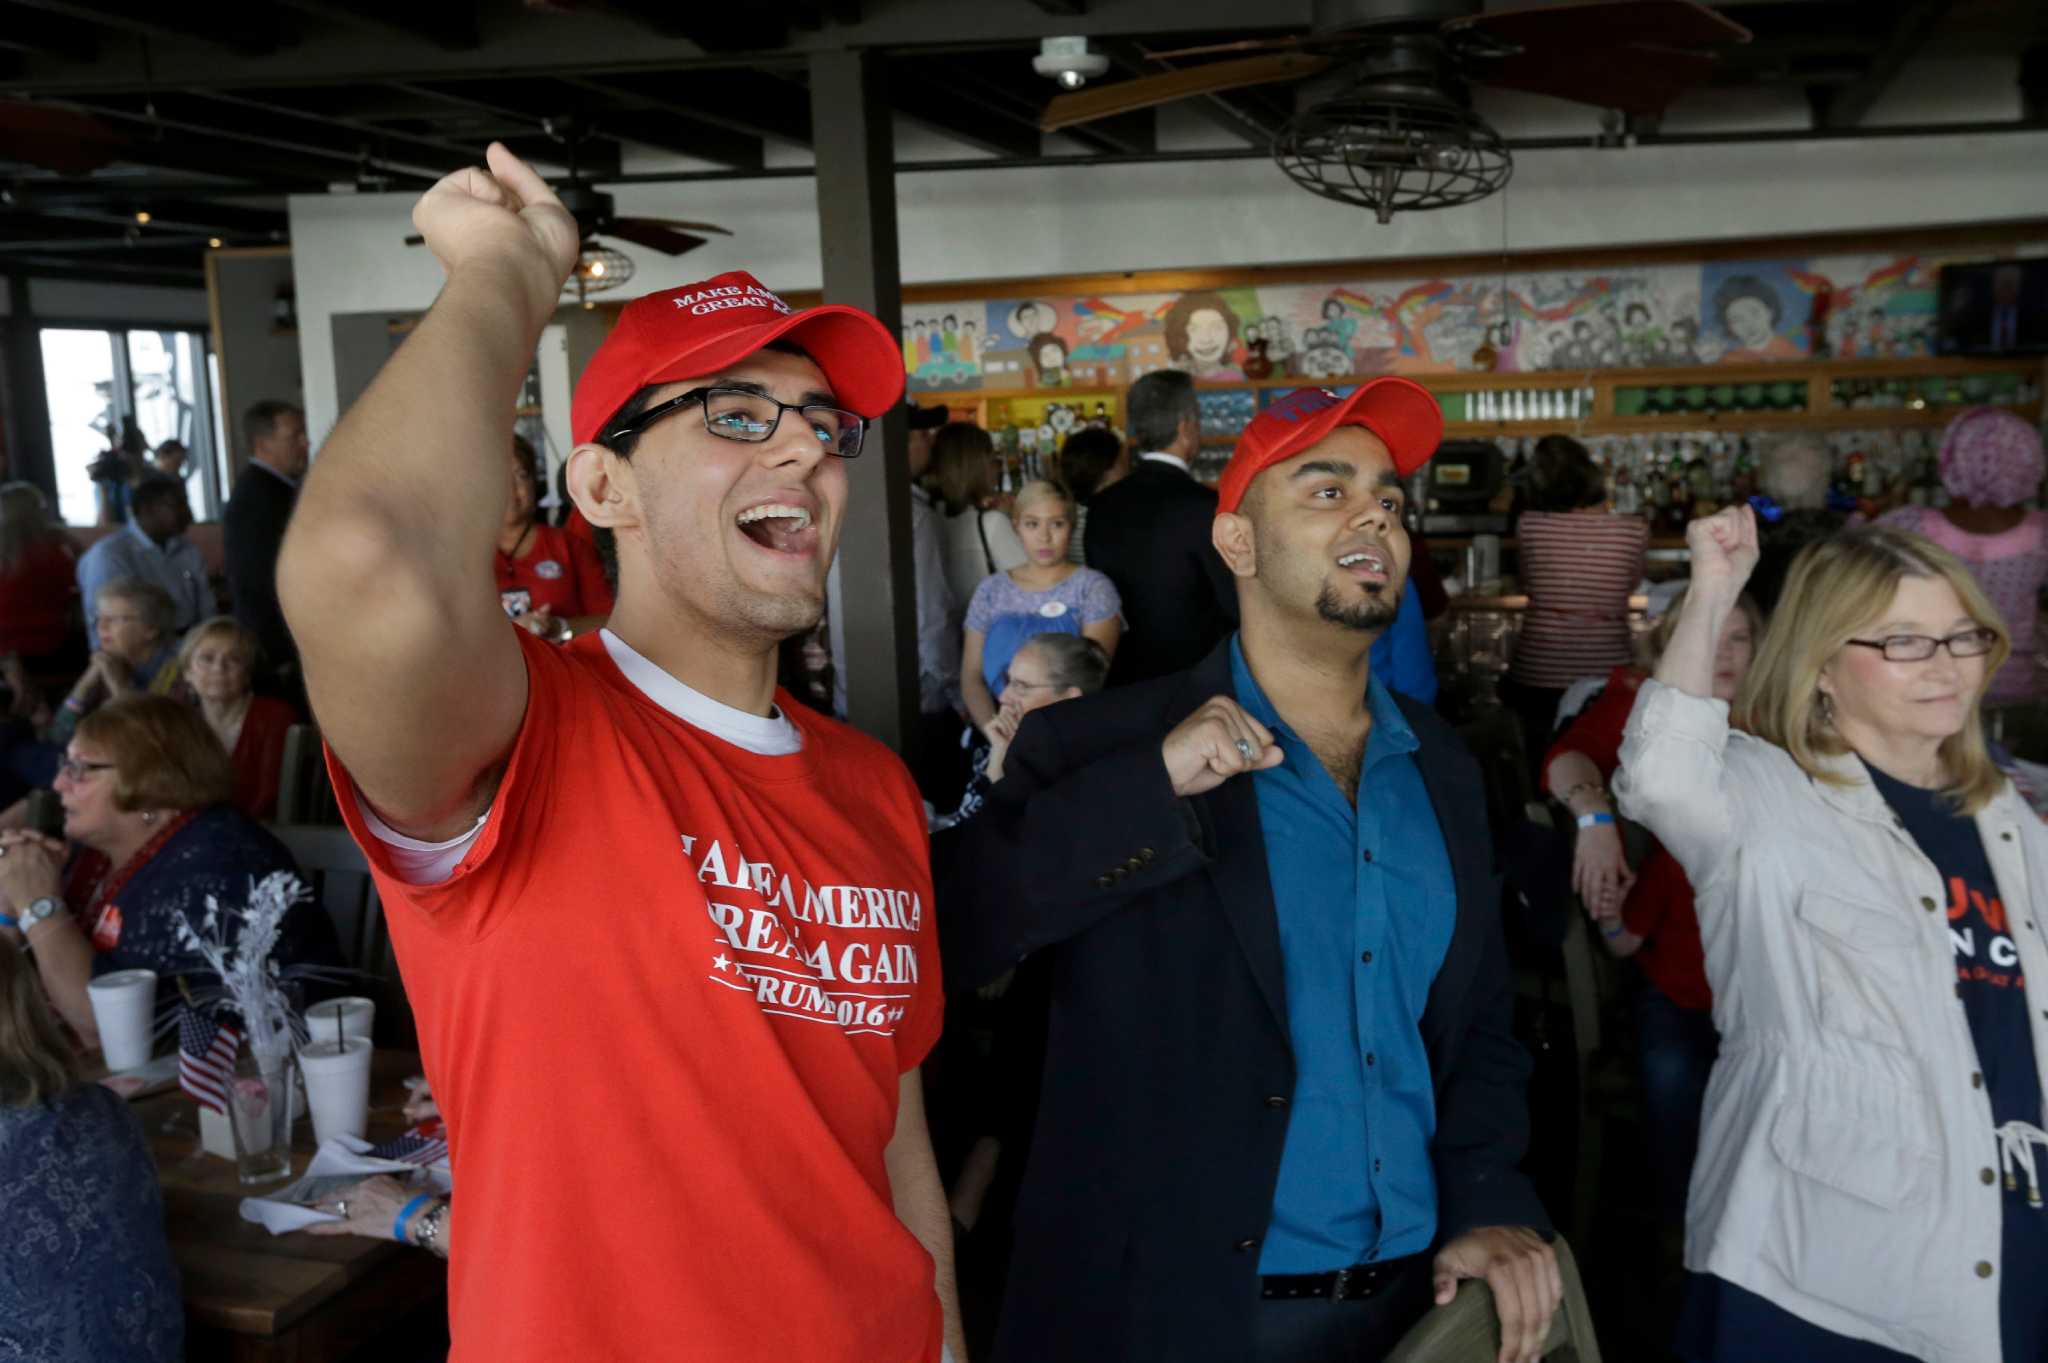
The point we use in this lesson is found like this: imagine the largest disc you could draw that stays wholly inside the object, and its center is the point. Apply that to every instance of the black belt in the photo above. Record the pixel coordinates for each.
(1355, 1283)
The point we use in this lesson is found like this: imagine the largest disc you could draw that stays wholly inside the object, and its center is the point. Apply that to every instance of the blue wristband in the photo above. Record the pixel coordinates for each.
(405, 1214)
(1594, 820)
(8, 920)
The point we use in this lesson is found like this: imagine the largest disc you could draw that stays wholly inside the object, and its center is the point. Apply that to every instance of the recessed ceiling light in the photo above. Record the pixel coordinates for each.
(143, 217)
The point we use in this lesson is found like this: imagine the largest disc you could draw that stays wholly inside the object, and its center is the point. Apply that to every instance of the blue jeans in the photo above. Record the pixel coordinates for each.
(1675, 1048)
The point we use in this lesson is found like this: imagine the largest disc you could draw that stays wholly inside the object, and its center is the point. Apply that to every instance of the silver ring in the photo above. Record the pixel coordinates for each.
(341, 1208)
(1244, 746)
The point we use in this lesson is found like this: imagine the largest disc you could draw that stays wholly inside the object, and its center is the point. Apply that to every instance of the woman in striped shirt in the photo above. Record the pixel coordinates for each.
(1579, 566)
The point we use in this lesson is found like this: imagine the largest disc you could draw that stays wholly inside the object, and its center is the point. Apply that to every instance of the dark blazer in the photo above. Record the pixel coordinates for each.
(1150, 533)
(1168, 1070)
(252, 531)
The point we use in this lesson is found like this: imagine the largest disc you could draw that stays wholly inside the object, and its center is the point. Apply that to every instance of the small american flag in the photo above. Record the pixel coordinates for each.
(206, 1058)
(424, 1145)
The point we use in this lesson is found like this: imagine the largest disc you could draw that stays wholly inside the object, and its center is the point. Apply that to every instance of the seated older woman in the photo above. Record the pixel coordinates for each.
(87, 1271)
(1869, 889)
(146, 789)
(219, 665)
(135, 655)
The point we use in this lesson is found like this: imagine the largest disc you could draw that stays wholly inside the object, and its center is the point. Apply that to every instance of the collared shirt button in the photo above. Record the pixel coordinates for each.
(1365, 956)
(1928, 904)
(1275, 1100)
(1986, 1176)
(1369, 1059)
(2007, 836)
(1368, 854)
(1977, 1080)
(1984, 1268)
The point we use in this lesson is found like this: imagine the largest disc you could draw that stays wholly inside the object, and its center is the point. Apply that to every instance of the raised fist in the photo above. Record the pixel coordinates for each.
(505, 216)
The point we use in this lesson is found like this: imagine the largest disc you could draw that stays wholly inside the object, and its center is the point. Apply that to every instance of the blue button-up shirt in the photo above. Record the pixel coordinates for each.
(128, 552)
(1366, 904)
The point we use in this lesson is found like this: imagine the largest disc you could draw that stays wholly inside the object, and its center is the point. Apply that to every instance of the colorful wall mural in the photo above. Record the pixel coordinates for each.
(1720, 312)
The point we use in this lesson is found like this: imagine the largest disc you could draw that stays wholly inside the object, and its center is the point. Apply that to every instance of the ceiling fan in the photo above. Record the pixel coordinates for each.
(1384, 117)
(600, 267)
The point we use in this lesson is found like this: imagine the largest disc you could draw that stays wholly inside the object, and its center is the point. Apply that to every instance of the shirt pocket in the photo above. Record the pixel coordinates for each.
(1865, 960)
(1858, 1134)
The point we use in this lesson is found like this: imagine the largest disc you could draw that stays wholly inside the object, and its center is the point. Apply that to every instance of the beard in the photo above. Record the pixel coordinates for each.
(1376, 612)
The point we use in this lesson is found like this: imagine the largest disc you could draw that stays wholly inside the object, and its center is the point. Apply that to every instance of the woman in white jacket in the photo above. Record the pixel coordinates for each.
(1871, 900)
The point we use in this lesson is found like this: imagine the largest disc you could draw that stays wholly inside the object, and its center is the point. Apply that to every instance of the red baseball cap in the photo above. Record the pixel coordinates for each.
(699, 329)
(1400, 412)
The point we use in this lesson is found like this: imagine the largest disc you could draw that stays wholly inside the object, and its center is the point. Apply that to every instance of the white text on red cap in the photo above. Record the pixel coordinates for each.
(728, 296)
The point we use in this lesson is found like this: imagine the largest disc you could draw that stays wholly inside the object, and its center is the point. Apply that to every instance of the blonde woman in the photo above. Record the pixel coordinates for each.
(88, 1273)
(218, 662)
(1044, 595)
(1870, 890)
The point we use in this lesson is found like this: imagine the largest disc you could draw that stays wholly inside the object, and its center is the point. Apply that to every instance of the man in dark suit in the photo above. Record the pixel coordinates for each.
(252, 529)
(1149, 532)
(1282, 1108)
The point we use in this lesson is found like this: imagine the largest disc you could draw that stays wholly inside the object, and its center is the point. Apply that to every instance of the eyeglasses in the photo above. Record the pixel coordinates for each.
(77, 771)
(751, 418)
(1918, 648)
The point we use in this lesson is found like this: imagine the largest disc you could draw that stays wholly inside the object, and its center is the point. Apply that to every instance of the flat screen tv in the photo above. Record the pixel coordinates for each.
(1996, 307)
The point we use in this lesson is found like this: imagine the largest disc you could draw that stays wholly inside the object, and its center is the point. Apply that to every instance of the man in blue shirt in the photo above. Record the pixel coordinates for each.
(153, 547)
(1282, 1104)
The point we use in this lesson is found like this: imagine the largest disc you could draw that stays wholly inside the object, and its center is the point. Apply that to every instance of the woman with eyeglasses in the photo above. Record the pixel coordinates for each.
(550, 580)
(1871, 894)
(146, 789)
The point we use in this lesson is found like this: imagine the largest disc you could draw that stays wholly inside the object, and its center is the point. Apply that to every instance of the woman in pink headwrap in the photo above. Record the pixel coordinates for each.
(1991, 462)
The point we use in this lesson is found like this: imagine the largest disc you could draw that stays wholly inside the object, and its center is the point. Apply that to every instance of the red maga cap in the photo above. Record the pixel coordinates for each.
(698, 329)
(1398, 411)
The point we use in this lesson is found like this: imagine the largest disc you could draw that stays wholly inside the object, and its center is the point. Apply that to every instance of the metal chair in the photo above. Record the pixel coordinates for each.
(1468, 1330)
(304, 794)
(339, 875)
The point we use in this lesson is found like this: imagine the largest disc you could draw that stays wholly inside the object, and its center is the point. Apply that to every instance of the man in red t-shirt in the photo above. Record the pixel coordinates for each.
(668, 935)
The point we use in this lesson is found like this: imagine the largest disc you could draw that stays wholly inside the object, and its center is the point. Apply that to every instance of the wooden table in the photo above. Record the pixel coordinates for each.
(295, 1298)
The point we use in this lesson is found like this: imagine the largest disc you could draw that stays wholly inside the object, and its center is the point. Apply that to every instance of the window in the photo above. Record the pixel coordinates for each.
(101, 385)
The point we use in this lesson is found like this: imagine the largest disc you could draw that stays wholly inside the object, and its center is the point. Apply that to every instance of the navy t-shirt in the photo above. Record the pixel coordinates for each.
(1995, 1000)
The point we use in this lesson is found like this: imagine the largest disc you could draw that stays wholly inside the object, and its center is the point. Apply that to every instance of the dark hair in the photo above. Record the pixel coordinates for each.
(962, 462)
(1088, 454)
(157, 488)
(1073, 659)
(1157, 404)
(1734, 290)
(1175, 323)
(260, 421)
(1561, 476)
(616, 436)
(1043, 339)
(1634, 308)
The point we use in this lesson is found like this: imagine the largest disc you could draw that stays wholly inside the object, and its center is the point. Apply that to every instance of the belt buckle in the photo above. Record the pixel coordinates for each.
(1339, 1280)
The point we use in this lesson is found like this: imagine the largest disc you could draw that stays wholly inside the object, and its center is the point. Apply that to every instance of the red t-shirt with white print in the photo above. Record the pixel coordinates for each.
(665, 1000)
